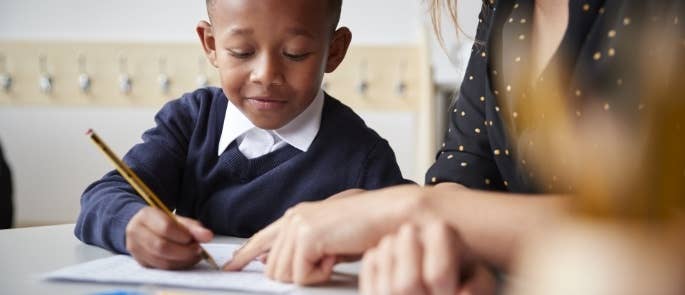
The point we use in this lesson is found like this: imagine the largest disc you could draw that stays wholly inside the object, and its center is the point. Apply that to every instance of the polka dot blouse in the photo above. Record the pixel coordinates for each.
(596, 58)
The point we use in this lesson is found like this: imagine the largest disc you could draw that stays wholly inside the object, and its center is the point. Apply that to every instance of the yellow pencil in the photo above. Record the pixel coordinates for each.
(143, 190)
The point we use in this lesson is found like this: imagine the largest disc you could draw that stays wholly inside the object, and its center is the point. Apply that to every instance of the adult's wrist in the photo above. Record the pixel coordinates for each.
(422, 205)
(397, 204)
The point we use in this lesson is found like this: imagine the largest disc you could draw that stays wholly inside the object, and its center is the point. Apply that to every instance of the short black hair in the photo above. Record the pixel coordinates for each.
(334, 7)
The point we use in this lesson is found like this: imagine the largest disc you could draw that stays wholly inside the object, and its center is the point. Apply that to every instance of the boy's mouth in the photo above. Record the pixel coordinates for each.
(266, 103)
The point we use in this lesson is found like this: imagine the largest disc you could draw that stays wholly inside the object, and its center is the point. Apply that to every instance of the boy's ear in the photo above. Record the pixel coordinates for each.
(204, 31)
(338, 48)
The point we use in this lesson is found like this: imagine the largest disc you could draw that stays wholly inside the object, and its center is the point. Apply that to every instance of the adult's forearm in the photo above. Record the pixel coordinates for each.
(493, 224)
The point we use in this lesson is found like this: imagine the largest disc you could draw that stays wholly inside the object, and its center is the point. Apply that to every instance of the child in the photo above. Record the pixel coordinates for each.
(236, 158)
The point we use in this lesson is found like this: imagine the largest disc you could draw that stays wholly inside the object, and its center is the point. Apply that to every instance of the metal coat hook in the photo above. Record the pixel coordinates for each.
(84, 80)
(401, 86)
(363, 84)
(5, 77)
(45, 79)
(163, 79)
(125, 82)
(202, 80)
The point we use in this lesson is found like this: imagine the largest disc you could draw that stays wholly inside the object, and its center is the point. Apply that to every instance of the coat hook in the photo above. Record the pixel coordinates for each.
(125, 82)
(45, 79)
(363, 84)
(5, 77)
(202, 80)
(401, 86)
(163, 79)
(84, 80)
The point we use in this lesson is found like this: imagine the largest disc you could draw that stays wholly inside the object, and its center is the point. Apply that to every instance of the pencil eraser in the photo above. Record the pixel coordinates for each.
(89, 132)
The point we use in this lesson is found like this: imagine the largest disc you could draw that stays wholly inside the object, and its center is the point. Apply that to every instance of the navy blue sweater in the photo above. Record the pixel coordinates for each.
(230, 194)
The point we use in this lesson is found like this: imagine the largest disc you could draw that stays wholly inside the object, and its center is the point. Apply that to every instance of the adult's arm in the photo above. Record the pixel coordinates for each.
(492, 223)
(310, 235)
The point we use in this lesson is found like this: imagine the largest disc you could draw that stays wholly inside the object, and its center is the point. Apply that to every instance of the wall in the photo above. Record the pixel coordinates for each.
(52, 160)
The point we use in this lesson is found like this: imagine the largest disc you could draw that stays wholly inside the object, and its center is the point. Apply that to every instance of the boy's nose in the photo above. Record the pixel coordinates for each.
(267, 71)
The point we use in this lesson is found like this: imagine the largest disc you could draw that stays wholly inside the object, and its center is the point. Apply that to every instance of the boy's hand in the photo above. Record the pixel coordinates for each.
(156, 241)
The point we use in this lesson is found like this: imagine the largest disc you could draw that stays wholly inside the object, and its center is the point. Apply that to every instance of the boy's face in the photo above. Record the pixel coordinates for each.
(272, 54)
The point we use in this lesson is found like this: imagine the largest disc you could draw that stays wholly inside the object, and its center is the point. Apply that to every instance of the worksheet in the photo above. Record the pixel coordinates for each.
(125, 270)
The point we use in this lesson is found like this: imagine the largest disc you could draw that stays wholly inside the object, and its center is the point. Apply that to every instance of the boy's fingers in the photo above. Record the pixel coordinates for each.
(154, 251)
(199, 232)
(169, 250)
(162, 225)
(159, 261)
(259, 244)
(163, 248)
(178, 260)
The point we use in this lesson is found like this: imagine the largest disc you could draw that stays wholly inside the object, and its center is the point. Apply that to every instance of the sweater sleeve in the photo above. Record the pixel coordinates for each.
(108, 204)
(380, 168)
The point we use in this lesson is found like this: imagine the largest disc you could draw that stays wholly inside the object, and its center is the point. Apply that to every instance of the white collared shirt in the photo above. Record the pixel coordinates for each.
(254, 142)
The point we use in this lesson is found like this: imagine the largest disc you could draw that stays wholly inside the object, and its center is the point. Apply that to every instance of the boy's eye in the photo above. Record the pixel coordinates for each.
(296, 56)
(240, 53)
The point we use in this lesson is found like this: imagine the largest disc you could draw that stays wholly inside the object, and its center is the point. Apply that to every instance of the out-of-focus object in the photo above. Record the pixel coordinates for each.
(584, 256)
(125, 81)
(624, 232)
(163, 79)
(84, 81)
(45, 79)
(5, 77)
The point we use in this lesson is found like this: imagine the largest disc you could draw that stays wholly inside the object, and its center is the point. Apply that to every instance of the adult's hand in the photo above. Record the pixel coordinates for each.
(304, 244)
(425, 257)
(156, 241)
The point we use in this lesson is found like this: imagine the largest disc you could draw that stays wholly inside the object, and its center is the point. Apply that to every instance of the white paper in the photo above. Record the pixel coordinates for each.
(124, 269)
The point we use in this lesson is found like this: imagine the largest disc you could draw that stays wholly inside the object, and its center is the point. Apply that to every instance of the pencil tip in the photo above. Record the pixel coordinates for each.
(89, 132)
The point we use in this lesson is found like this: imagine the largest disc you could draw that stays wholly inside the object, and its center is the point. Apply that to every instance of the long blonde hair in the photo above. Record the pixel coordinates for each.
(435, 10)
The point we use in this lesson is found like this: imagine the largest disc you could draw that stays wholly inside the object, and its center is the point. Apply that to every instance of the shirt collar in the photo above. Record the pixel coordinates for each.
(299, 132)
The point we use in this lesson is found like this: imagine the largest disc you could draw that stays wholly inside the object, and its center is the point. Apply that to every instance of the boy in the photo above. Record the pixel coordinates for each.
(236, 158)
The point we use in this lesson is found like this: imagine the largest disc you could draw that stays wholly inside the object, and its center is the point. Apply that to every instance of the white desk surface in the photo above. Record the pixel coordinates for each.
(27, 253)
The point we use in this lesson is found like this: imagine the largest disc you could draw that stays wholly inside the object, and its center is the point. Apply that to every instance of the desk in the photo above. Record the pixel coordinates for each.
(26, 253)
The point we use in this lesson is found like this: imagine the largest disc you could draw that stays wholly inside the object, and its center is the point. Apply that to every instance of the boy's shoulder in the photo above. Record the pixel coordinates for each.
(341, 122)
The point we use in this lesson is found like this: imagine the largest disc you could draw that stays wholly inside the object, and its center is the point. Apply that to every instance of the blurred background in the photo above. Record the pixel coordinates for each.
(41, 130)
